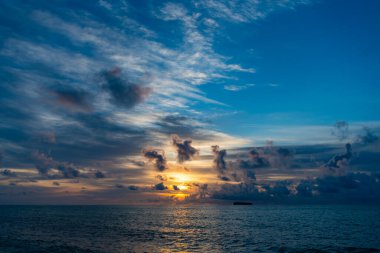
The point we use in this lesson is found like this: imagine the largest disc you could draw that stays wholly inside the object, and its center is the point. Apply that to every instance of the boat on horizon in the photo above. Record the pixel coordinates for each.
(242, 203)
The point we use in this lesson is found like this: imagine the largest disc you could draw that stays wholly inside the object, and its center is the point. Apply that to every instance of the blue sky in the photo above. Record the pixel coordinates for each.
(324, 58)
(126, 98)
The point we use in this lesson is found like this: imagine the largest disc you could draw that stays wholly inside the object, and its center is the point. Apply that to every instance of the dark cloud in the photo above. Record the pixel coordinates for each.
(185, 151)
(239, 170)
(340, 130)
(255, 161)
(236, 192)
(68, 170)
(224, 178)
(55, 183)
(354, 187)
(43, 162)
(133, 188)
(202, 192)
(305, 188)
(122, 92)
(338, 163)
(72, 98)
(83, 139)
(107, 138)
(251, 175)
(99, 174)
(162, 178)
(175, 188)
(120, 186)
(1, 158)
(8, 173)
(349, 188)
(157, 157)
(368, 137)
(278, 189)
(284, 152)
(177, 124)
(219, 159)
(160, 187)
(266, 157)
(281, 157)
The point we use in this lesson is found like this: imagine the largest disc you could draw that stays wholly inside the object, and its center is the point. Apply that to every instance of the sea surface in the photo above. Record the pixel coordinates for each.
(208, 228)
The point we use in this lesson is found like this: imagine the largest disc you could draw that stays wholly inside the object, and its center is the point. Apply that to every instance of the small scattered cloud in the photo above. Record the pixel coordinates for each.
(185, 152)
(133, 188)
(68, 170)
(160, 187)
(238, 87)
(157, 157)
(219, 162)
(338, 164)
(99, 174)
(162, 177)
(105, 4)
(123, 92)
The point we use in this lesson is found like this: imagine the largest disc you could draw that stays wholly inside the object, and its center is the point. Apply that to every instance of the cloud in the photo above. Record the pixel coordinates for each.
(219, 161)
(72, 98)
(133, 188)
(368, 137)
(99, 174)
(55, 183)
(238, 87)
(173, 11)
(245, 11)
(7, 173)
(162, 177)
(341, 130)
(185, 152)
(256, 161)
(337, 164)
(160, 187)
(1, 158)
(123, 92)
(68, 170)
(105, 4)
(157, 157)
(177, 124)
(43, 162)
(202, 191)
(281, 157)
(349, 188)
(175, 188)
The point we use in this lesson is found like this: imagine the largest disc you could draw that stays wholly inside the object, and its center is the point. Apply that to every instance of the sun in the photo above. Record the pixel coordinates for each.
(180, 177)
(183, 187)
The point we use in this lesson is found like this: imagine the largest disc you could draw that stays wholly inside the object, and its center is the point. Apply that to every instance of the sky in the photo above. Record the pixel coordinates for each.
(201, 101)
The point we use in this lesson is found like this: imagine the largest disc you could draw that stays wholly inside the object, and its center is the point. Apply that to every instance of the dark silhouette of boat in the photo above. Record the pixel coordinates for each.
(242, 203)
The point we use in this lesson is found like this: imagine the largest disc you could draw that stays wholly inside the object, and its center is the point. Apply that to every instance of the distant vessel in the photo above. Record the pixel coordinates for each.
(242, 203)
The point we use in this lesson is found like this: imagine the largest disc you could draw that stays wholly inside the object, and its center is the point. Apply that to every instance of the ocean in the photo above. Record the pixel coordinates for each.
(196, 228)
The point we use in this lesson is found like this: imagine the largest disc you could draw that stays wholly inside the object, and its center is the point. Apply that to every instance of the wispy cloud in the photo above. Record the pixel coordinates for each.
(232, 87)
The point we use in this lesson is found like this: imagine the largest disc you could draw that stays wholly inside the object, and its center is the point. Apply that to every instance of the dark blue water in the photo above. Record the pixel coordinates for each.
(190, 229)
